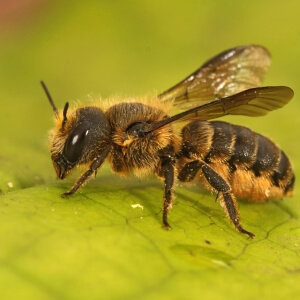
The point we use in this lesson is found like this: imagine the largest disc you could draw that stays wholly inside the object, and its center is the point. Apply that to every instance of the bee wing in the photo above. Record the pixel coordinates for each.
(252, 102)
(228, 73)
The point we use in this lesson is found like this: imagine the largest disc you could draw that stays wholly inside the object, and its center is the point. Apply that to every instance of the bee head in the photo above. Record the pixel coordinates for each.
(80, 135)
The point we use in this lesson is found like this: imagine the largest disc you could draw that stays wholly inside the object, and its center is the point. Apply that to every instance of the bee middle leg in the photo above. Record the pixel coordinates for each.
(167, 171)
(227, 199)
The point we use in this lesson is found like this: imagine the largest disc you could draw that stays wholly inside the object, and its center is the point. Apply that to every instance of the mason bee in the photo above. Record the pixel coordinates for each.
(138, 135)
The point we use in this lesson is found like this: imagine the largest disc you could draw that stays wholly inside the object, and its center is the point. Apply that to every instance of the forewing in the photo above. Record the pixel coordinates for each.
(226, 74)
(252, 102)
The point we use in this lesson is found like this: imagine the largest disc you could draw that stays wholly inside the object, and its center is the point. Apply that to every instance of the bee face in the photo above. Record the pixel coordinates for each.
(78, 140)
(138, 137)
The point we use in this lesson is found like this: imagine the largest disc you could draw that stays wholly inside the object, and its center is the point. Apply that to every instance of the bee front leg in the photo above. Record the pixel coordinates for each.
(96, 164)
(167, 171)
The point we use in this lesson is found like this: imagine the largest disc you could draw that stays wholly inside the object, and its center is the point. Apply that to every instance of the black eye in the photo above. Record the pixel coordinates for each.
(76, 142)
(137, 129)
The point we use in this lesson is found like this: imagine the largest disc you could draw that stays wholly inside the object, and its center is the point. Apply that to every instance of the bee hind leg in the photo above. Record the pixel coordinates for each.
(228, 202)
(227, 199)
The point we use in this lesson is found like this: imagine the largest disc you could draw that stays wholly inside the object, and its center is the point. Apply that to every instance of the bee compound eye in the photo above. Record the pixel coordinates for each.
(75, 142)
(136, 129)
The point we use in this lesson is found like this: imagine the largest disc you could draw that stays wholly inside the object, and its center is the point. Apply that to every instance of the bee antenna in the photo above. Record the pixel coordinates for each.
(50, 98)
(65, 114)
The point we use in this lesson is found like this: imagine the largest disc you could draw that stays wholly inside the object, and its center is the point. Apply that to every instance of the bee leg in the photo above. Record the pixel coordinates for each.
(189, 171)
(227, 198)
(167, 171)
(229, 204)
(96, 164)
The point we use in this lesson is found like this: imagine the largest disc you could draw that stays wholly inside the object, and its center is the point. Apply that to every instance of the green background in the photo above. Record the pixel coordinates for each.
(98, 244)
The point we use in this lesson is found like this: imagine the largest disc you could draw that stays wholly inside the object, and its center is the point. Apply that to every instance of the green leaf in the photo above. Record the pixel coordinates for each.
(107, 241)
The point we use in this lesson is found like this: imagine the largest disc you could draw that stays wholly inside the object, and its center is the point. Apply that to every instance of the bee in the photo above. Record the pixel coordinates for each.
(138, 135)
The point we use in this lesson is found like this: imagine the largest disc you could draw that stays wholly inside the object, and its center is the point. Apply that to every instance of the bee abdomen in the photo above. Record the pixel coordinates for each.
(245, 147)
(219, 141)
(267, 156)
(254, 166)
(284, 174)
(222, 143)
